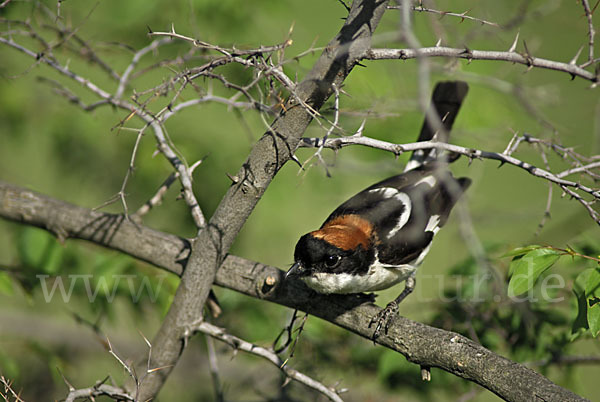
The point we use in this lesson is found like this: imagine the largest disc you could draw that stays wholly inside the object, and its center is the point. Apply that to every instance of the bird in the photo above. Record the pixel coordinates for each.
(380, 236)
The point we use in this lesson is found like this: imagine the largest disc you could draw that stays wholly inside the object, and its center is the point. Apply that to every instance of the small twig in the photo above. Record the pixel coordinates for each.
(586, 204)
(581, 169)
(591, 32)
(573, 253)
(546, 215)
(287, 330)
(226, 51)
(130, 370)
(463, 16)
(269, 355)
(318, 153)
(213, 367)
(115, 393)
(8, 390)
(156, 199)
(134, 61)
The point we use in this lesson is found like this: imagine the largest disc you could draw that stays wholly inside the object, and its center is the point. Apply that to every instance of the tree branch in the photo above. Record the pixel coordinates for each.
(266, 158)
(419, 343)
(511, 56)
(270, 355)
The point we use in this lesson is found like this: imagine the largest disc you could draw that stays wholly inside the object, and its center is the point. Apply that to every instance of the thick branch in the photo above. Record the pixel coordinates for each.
(421, 344)
(266, 158)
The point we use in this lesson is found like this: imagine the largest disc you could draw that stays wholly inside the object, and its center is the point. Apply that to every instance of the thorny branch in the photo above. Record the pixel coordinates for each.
(468, 54)
(568, 186)
(463, 16)
(269, 355)
(98, 390)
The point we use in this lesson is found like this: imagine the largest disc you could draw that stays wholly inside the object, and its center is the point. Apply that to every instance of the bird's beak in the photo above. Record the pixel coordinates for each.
(295, 270)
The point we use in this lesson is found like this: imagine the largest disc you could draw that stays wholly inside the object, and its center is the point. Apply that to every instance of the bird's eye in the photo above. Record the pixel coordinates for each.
(332, 260)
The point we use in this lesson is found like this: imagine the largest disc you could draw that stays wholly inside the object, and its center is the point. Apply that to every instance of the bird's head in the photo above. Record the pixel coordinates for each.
(340, 247)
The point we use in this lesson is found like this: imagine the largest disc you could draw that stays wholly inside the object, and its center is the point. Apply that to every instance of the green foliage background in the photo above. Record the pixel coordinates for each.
(51, 146)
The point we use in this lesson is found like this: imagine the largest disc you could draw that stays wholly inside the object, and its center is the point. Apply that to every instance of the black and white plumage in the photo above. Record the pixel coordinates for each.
(380, 236)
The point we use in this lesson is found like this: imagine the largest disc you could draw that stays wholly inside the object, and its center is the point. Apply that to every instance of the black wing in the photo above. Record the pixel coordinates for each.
(406, 210)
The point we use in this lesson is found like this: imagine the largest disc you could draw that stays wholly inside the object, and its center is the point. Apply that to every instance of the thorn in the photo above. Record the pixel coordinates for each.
(463, 15)
(361, 128)
(468, 53)
(501, 164)
(359, 64)
(291, 30)
(513, 47)
(574, 60)
(149, 29)
(297, 161)
(172, 28)
(528, 55)
(439, 42)
(234, 179)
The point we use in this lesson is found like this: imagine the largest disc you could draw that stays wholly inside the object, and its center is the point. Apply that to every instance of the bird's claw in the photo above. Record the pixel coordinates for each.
(384, 319)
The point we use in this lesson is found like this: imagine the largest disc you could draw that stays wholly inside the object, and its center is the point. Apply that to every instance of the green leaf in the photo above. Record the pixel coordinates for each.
(527, 269)
(592, 295)
(520, 251)
(6, 286)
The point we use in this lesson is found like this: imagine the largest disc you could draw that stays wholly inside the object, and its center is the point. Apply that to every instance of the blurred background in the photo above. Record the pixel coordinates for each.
(50, 145)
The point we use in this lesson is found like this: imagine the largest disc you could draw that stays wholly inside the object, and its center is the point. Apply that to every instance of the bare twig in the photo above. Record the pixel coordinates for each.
(227, 52)
(336, 112)
(156, 199)
(97, 390)
(591, 32)
(468, 54)
(159, 134)
(269, 355)
(213, 367)
(546, 215)
(463, 16)
(134, 61)
(9, 393)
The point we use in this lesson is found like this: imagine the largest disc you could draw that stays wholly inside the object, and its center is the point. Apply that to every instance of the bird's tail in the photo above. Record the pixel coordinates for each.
(446, 100)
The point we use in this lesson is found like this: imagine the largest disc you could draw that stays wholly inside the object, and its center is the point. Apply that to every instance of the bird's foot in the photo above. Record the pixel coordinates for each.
(384, 319)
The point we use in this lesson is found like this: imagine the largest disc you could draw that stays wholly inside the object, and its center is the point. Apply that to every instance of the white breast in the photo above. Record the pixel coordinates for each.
(379, 277)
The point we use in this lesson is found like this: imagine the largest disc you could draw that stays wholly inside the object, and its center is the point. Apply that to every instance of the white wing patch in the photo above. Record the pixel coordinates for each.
(389, 192)
(415, 162)
(433, 225)
(429, 180)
